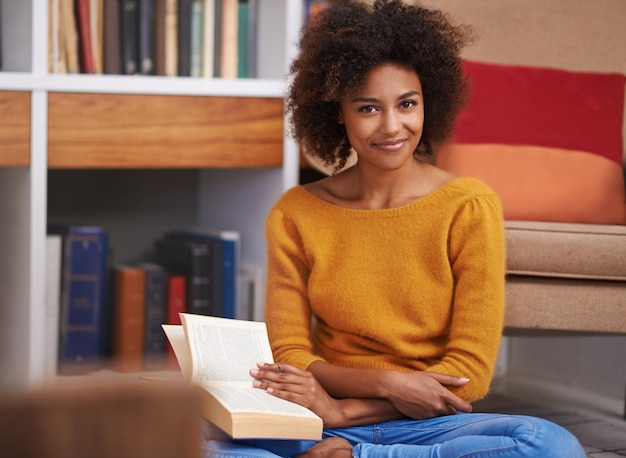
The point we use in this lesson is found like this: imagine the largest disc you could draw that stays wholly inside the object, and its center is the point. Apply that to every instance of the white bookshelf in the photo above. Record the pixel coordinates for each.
(231, 198)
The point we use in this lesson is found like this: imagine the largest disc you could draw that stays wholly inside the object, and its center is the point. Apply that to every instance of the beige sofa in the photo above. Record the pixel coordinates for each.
(566, 277)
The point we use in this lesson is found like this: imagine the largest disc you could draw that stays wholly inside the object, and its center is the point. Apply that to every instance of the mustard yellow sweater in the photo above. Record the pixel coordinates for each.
(419, 287)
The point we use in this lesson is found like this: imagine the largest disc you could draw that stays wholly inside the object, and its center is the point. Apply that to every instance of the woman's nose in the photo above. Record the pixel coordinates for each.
(390, 124)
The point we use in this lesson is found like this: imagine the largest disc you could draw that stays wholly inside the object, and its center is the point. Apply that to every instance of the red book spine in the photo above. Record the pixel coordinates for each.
(176, 300)
(84, 30)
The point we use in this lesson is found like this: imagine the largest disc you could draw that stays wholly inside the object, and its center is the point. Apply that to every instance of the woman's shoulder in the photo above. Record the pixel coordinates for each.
(470, 187)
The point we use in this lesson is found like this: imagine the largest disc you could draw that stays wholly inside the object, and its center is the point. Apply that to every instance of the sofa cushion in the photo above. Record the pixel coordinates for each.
(539, 183)
(514, 104)
(557, 304)
(575, 251)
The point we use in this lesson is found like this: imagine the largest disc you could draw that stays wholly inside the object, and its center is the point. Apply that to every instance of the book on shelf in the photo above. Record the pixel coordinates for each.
(252, 37)
(217, 354)
(155, 312)
(160, 10)
(228, 41)
(146, 52)
(171, 37)
(225, 246)
(111, 38)
(83, 19)
(250, 293)
(56, 38)
(192, 261)
(129, 318)
(176, 292)
(208, 36)
(70, 36)
(242, 39)
(1, 67)
(196, 43)
(184, 37)
(83, 296)
(54, 250)
(129, 28)
(96, 12)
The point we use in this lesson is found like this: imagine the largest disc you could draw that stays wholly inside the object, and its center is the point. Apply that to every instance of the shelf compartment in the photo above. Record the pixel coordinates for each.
(14, 129)
(163, 131)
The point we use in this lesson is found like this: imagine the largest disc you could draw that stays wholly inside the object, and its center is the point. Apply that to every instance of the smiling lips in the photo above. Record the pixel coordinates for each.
(391, 146)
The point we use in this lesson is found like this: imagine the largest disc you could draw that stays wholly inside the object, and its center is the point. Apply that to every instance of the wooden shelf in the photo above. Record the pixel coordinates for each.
(14, 128)
(163, 131)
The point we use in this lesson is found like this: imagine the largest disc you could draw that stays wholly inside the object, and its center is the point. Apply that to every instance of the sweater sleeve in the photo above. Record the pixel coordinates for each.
(287, 308)
(477, 255)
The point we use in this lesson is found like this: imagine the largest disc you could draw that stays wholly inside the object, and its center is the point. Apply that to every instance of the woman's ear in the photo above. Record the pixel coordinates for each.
(340, 116)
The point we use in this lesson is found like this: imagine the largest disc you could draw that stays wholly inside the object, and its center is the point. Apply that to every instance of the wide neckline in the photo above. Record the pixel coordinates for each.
(382, 211)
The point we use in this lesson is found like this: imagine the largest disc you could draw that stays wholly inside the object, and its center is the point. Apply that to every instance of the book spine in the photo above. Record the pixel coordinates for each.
(228, 50)
(112, 47)
(184, 37)
(197, 41)
(253, 20)
(54, 250)
(242, 39)
(83, 298)
(171, 37)
(96, 8)
(84, 29)
(217, 38)
(159, 37)
(155, 315)
(70, 34)
(129, 24)
(129, 324)
(176, 299)
(208, 34)
(146, 39)
(229, 277)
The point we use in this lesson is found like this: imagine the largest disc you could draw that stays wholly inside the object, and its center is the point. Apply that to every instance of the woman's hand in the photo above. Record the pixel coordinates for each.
(335, 447)
(288, 382)
(423, 395)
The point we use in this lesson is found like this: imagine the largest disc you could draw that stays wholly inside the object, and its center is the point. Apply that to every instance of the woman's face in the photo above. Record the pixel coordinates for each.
(385, 117)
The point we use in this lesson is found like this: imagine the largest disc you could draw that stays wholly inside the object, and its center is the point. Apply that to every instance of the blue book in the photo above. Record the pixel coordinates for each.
(226, 249)
(83, 296)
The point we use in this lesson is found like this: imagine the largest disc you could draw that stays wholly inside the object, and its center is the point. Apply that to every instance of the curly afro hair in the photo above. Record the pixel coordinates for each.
(345, 41)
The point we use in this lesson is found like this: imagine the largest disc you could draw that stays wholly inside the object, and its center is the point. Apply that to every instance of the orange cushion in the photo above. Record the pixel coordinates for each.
(539, 183)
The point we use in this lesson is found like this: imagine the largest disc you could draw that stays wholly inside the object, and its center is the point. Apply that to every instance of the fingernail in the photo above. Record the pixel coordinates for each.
(254, 371)
(464, 379)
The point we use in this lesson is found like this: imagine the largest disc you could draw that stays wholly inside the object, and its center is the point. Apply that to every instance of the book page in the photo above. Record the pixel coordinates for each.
(224, 350)
(176, 336)
(249, 399)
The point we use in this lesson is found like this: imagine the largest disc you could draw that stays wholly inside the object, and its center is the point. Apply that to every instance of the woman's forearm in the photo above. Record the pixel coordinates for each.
(355, 412)
(343, 382)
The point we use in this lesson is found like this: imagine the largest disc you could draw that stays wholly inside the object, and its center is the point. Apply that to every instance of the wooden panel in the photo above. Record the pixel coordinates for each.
(161, 131)
(14, 129)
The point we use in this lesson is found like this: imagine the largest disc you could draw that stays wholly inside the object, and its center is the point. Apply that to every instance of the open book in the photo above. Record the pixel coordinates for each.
(217, 355)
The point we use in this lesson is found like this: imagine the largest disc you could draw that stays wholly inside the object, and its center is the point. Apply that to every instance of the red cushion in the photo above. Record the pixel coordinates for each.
(543, 184)
(544, 107)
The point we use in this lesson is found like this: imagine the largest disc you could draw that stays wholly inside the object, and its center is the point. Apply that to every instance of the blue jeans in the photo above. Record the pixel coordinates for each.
(461, 435)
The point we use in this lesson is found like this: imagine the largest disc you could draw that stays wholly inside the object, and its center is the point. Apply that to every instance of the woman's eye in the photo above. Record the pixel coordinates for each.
(407, 104)
(367, 109)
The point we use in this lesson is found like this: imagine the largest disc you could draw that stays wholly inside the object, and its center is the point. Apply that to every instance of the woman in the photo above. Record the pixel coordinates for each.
(385, 291)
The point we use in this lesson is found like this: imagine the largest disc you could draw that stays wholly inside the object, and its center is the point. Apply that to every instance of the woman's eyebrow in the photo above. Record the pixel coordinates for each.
(374, 99)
